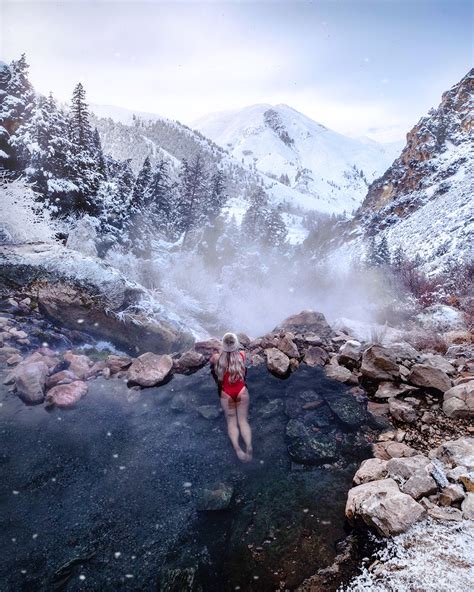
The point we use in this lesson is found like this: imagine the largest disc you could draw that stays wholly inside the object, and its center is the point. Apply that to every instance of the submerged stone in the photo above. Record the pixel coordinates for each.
(215, 498)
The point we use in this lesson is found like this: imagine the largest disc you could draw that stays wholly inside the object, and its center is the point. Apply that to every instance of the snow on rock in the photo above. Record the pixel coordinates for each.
(432, 556)
(86, 293)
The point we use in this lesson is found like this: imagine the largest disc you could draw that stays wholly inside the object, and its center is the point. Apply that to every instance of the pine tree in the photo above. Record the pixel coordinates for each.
(16, 106)
(81, 132)
(142, 184)
(276, 231)
(192, 195)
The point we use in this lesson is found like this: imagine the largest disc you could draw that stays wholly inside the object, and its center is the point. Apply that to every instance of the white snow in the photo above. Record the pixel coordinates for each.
(319, 162)
(430, 557)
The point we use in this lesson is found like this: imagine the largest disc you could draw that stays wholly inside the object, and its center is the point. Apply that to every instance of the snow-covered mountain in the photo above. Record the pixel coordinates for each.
(332, 171)
(424, 203)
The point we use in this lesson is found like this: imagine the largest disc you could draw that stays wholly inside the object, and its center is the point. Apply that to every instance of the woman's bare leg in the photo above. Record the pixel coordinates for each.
(232, 427)
(242, 417)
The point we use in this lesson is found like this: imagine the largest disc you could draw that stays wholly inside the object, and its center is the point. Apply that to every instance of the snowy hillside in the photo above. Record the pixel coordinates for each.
(330, 169)
(424, 202)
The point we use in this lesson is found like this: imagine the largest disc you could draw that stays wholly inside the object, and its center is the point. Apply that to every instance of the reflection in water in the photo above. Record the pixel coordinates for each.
(103, 497)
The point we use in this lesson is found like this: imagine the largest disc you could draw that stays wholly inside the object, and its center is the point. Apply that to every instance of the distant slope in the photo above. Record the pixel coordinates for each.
(424, 203)
(285, 145)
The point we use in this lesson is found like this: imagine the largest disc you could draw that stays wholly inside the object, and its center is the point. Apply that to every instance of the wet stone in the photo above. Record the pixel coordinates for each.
(215, 498)
(307, 446)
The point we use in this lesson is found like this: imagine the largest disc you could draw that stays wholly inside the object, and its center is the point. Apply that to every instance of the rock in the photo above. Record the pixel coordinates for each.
(209, 411)
(378, 363)
(339, 373)
(268, 341)
(307, 321)
(388, 450)
(468, 481)
(456, 452)
(315, 356)
(6, 352)
(350, 354)
(150, 369)
(381, 505)
(403, 352)
(78, 364)
(309, 447)
(14, 360)
(62, 377)
(456, 473)
(346, 408)
(419, 485)
(277, 362)
(389, 390)
(30, 378)
(371, 469)
(208, 347)
(402, 411)
(427, 376)
(458, 401)
(445, 514)
(97, 302)
(401, 469)
(288, 347)
(66, 395)
(189, 362)
(467, 507)
(308, 339)
(438, 362)
(244, 339)
(216, 498)
(452, 494)
(117, 363)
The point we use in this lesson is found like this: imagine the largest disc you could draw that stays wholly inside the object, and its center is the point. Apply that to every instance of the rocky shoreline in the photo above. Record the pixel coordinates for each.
(419, 404)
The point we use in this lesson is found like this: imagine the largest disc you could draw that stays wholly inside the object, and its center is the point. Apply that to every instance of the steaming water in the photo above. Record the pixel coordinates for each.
(103, 497)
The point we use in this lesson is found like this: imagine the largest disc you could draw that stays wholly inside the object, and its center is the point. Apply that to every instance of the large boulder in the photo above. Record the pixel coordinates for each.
(458, 401)
(61, 377)
(85, 293)
(66, 395)
(149, 369)
(428, 376)
(381, 505)
(30, 378)
(467, 507)
(419, 485)
(307, 321)
(277, 362)
(379, 363)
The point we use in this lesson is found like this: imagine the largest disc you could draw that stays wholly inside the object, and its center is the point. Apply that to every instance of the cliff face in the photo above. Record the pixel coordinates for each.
(436, 149)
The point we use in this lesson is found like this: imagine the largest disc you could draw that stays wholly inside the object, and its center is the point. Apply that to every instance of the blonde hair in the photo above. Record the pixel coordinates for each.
(234, 363)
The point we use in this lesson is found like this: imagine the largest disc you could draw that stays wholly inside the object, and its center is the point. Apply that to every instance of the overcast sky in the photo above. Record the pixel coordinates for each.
(360, 67)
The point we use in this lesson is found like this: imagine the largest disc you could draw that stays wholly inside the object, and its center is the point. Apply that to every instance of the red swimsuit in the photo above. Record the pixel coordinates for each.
(233, 388)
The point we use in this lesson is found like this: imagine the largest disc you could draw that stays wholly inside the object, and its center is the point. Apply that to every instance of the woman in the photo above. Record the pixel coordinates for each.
(229, 370)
